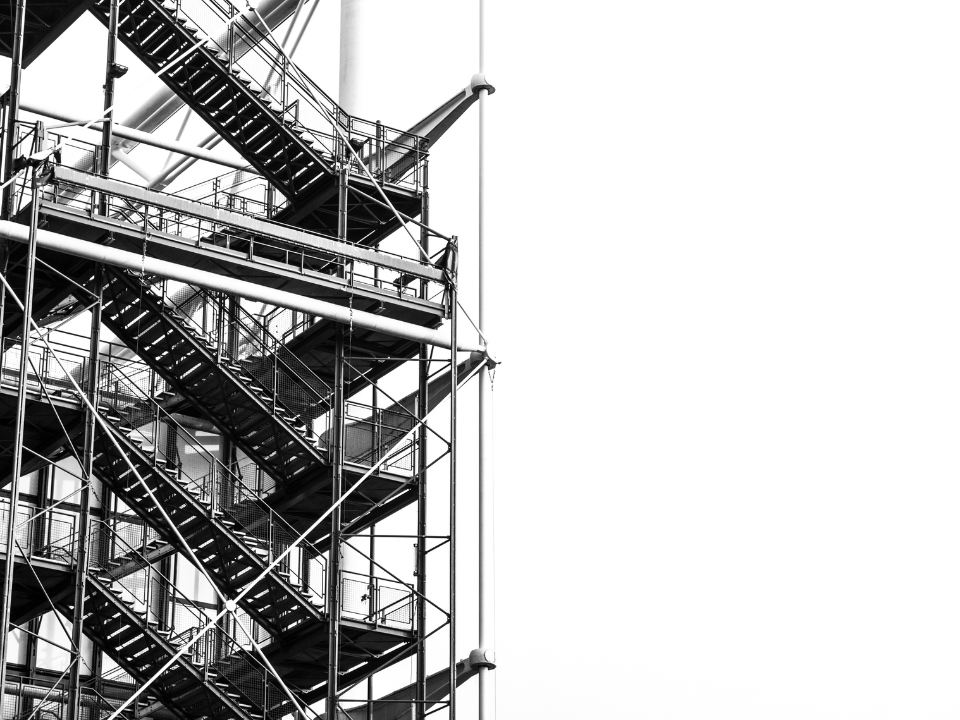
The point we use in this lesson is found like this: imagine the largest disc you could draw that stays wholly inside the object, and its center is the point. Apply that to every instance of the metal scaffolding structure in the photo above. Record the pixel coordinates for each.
(206, 468)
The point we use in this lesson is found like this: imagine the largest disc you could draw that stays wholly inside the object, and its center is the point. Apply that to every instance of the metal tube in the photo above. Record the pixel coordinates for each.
(13, 111)
(423, 405)
(108, 85)
(89, 433)
(356, 66)
(201, 278)
(139, 136)
(487, 707)
(333, 566)
(336, 489)
(19, 427)
(452, 649)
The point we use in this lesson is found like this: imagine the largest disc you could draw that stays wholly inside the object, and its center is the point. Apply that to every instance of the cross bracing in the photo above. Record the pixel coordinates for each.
(191, 469)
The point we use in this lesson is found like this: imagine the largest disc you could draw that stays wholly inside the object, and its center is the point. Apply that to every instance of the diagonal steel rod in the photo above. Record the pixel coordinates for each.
(19, 427)
(233, 603)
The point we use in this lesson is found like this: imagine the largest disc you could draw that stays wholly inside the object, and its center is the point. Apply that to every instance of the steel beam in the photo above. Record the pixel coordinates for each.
(201, 278)
(138, 136)
(13, 107)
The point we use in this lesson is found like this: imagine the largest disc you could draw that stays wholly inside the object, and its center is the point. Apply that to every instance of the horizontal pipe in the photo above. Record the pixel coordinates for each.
(36, 692)
(212, 281)
(139, 136)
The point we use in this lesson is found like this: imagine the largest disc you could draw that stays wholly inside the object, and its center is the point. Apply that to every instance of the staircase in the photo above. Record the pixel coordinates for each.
(250, 118)
(231, 531)
(240, 83)
(142, 621)
(262, 398)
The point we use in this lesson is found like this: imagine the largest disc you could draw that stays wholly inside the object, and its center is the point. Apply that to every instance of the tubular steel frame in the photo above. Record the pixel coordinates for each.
(81, 685)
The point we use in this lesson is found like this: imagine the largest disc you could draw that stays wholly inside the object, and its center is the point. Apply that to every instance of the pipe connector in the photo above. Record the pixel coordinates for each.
(481, 659)
(486, 357)
(479, 82)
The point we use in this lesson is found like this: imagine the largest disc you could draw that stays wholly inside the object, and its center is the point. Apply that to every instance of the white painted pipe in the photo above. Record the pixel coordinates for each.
(487, 709)
(357, 69)
(131, 163)
(138, 136)
(212, 281)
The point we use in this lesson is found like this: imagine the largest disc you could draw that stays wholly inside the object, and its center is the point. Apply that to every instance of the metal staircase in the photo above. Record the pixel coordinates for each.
(241, 84)
(263, 399)
(142, 621)
(230, 530)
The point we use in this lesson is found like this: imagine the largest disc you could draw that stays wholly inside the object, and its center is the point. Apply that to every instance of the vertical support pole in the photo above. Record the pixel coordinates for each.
(231, 41)
(13, 109)
(453, 500)
(108, 93)
(83, 532)
(487, 708)
(423, 407)
(18, 430)
(336, 517)
(371, 590)
(333, 577)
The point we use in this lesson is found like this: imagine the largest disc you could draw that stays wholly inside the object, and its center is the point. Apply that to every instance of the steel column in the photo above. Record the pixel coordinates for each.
(452, 649)
(109, 81)
(89, 434)
(423, 405)
(13, 104)
(18, 429)
(337, 459)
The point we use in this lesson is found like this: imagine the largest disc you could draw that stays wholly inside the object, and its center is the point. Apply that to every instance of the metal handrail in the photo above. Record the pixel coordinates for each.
(290, 383)
(299, 100)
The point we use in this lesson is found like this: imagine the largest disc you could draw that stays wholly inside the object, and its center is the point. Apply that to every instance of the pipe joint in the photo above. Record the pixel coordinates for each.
(479, 82)
(486, 357)
(480, 659)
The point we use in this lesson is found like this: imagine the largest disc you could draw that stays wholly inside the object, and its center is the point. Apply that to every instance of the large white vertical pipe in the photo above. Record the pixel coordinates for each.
(357, 63)
(354, 92)
(487, 706)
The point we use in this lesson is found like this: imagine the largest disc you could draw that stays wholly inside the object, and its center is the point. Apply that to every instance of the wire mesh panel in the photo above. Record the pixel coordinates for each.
(356, 597)
(22, 527)
(11, 706)
(395, 605)
(376, 600)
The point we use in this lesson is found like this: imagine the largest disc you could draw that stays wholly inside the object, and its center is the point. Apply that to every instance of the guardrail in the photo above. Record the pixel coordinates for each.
(393, 156)
(381, 270)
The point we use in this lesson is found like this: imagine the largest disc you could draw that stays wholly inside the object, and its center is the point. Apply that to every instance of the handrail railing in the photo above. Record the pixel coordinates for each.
(224, 492)
(251, 54)
(238, 338)
(158, 601)
(42, 534)
(196, 230)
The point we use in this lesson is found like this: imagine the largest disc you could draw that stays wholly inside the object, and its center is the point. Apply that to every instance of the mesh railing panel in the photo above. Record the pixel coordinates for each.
(239, 337)
(372, 433)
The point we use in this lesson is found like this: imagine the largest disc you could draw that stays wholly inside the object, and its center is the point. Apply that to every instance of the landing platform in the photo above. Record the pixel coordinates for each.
(46, 21)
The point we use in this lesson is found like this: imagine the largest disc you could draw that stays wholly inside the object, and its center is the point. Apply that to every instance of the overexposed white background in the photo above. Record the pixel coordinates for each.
(726, 297)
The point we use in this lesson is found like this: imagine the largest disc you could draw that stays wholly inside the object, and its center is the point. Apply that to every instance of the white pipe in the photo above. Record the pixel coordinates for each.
(131, 163)
(487, 705)
(356, 63)
(139, 136)
(212, 281)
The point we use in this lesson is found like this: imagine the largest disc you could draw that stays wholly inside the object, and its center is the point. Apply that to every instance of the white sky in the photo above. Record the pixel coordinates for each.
(726, 301)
